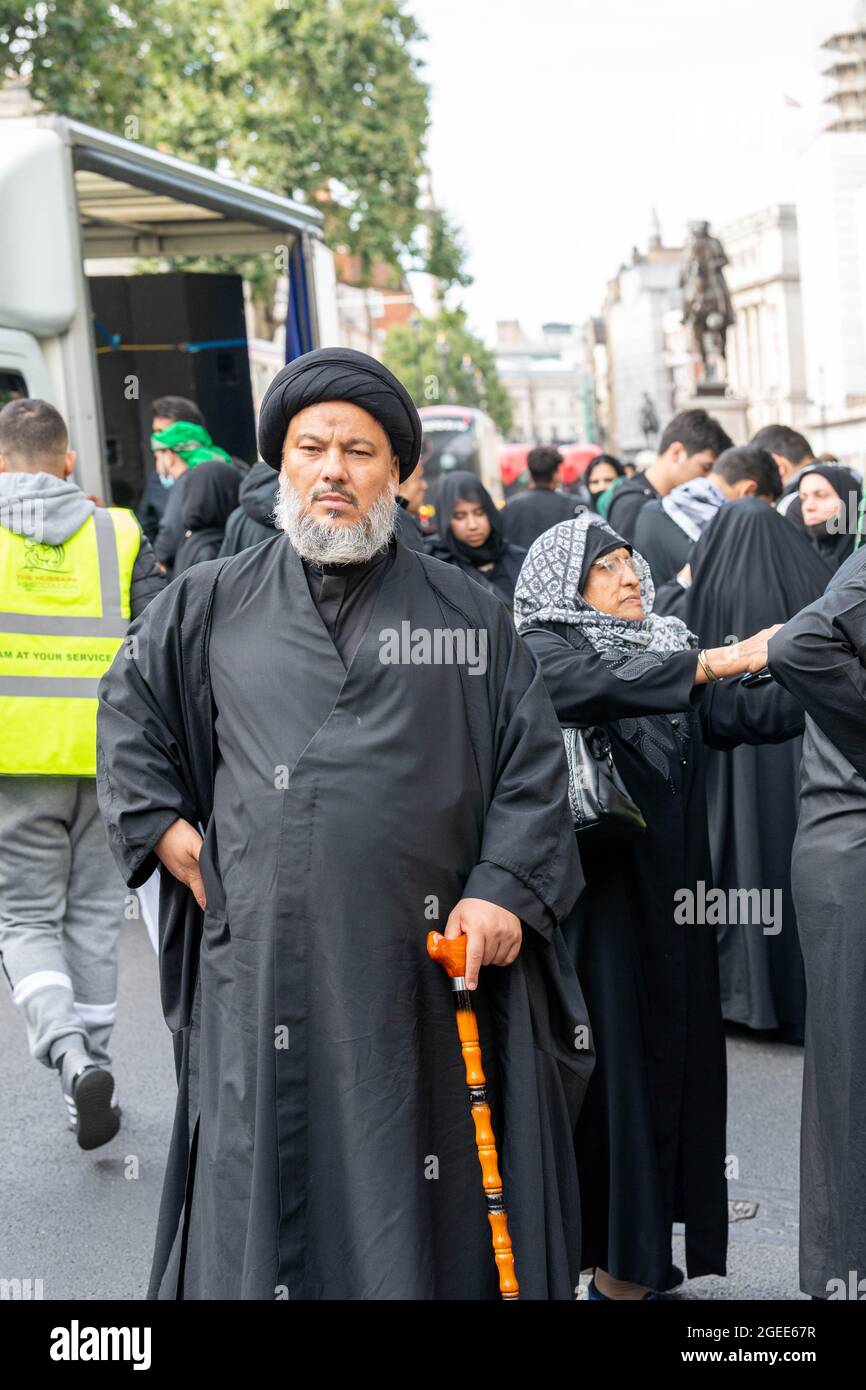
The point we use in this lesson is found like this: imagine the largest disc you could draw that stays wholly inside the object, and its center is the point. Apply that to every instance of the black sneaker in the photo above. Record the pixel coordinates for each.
(96, 1120)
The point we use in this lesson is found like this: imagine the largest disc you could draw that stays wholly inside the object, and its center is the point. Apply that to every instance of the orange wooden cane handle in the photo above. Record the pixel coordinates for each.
(450, 953)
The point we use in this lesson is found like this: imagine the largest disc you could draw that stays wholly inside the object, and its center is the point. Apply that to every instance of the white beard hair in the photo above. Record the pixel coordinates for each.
(319, 543)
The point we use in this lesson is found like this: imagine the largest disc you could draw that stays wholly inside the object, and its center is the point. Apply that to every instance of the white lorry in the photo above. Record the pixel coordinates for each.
(71, 194)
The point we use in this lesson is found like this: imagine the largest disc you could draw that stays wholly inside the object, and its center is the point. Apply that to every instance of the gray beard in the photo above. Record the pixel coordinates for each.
(321, 543)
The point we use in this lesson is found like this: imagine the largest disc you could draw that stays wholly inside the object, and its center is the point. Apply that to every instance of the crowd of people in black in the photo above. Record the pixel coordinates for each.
(695, 634)
(614, 587)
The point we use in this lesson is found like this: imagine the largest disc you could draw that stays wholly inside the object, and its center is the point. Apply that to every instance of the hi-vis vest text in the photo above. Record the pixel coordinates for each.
(64, 610)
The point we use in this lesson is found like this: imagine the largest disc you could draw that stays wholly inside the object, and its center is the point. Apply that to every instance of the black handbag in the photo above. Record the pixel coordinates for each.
(601, 808)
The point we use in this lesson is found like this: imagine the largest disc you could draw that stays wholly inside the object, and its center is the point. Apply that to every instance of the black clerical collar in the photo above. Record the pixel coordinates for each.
(351, 571)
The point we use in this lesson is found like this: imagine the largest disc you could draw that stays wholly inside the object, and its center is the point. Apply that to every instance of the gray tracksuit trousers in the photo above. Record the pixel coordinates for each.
(61, 908)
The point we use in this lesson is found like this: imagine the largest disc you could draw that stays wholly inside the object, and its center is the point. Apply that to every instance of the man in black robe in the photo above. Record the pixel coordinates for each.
(354, 789)
(820, 656)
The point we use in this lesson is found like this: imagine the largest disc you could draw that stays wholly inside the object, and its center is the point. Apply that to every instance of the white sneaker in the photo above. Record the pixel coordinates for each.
(90, 1098)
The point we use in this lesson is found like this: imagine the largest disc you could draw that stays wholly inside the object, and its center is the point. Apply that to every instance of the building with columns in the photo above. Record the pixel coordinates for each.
(545, 381)
(637, 306)
(766, 354)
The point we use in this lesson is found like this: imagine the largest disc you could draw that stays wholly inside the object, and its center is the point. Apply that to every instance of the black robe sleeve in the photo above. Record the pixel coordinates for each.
(585, 691)
(154, 764)
(149, 771)
(732, 713)
(819, 657)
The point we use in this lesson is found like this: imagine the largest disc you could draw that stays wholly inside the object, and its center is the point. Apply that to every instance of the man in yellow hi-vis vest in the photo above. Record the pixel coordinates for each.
(72, 574)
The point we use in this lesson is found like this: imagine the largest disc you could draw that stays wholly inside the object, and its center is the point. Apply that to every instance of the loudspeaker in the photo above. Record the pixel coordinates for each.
(118, 382)
(158, 316)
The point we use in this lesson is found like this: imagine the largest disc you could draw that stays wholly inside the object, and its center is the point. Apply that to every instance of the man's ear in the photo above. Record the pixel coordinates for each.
(4, 467)
(395, 470)
(747, 487)
(69, 463)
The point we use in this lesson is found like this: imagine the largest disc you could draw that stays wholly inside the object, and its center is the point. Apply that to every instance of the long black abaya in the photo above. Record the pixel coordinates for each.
(752, 569)
(651, 1137)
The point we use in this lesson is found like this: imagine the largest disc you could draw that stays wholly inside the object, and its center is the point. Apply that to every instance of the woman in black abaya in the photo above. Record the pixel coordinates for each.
(752, 568)
(650, 1142)
(470, 534)
(210, 496)
(827, 506)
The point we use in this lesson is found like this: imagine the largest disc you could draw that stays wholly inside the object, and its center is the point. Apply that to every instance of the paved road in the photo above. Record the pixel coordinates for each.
(84, 1223)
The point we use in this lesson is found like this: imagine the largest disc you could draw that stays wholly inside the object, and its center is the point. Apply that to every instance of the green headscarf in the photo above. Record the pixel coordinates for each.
(192, 443)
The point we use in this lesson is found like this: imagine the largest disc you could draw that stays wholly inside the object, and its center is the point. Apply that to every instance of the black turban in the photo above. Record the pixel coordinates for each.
(340, 374)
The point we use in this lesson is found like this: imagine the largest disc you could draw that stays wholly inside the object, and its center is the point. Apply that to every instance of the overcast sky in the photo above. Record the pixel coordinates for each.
(559, 124)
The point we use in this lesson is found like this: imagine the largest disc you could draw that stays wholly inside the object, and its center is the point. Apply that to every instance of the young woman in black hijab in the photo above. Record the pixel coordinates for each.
(601, 474)
(828, 506)
(210, 496)
(650, 1141)
(470, 534)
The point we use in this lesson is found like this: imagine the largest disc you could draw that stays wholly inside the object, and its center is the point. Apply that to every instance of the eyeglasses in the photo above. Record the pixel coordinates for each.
(614, 565)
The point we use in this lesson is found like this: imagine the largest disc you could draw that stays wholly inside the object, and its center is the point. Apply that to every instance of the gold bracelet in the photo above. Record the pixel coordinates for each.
(706, 667)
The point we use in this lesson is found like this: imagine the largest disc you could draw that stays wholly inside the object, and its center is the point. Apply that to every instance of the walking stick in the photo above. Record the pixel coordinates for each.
(451, 955)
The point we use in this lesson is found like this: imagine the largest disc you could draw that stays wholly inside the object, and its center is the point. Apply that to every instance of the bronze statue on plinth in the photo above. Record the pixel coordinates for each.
(707, 306)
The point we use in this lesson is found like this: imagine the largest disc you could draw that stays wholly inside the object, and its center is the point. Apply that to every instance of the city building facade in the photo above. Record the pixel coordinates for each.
(766, 355)
(831, 215)
(548, 381)
(637, 307)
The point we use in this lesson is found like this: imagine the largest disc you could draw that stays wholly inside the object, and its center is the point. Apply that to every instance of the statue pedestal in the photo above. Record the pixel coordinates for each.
(730, 411)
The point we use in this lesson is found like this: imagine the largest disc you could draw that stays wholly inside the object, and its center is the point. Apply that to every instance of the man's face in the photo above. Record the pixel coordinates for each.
(339, 460)
(689, 466)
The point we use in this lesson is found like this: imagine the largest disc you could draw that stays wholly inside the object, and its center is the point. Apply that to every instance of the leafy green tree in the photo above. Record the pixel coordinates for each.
(318, 99)
(439, 361)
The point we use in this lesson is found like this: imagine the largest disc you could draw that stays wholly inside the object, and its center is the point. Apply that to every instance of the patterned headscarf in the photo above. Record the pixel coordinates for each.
(693, 505)
(548, 590)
